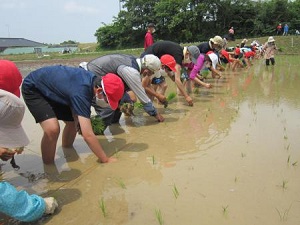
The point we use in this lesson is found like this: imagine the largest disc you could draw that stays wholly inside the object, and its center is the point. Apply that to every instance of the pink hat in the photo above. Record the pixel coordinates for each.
(12, 111)
(113, 88)
(10, 77)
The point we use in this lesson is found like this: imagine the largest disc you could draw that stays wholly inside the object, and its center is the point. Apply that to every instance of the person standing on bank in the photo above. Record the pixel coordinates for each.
(181, 55)
(65, 93)
(149, 40)
(285, 30)
(131, 70)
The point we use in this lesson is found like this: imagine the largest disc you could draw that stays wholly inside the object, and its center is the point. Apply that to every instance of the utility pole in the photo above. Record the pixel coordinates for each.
(7, 25)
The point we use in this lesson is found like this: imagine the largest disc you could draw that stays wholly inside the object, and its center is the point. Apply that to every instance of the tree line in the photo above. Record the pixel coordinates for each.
(185, 21)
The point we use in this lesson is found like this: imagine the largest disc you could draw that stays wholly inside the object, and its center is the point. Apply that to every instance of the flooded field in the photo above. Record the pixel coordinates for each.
(233, 158)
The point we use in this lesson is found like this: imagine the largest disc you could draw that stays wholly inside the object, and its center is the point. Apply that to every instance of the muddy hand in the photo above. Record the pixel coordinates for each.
(189, 100)
(6, 154)
(159, 118)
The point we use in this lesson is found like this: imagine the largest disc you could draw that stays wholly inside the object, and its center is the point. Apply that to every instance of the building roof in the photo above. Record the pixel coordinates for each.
(18, 42)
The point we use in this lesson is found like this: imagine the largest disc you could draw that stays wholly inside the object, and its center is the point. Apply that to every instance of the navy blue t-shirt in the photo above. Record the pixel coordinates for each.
(65, 85)
(204, 47)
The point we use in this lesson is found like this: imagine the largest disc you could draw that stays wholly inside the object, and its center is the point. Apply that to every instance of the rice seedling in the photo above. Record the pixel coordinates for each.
(288, 160)
(103, 207)
(236, 179)
(171, 96)
(159, 216)
(295, 163)
(285, 137)
(225, 209)
(284, 184)
(98, 125)
(288, 147)
(284, 215)
(153, 159)
(243, 155)
(175, 191)
(196, 90)
(121, 183)
(138, 105)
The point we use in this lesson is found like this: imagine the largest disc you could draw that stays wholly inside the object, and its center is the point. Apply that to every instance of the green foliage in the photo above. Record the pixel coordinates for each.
(69, 42)
(185, 21)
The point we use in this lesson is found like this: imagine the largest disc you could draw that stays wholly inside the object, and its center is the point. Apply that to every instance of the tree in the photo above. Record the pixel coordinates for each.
(185, 21)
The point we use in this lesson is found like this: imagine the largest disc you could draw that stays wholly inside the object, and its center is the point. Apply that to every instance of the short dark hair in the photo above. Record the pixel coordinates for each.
(151, 25)
(97, 81)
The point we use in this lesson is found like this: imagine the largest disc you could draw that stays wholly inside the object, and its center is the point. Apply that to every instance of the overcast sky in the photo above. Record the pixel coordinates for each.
(55, 21)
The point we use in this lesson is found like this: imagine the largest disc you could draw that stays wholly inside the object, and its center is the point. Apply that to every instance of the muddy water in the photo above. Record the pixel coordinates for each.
(233, 158)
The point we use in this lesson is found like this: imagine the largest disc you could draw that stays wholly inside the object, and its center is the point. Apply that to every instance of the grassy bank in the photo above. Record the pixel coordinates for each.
(286, 44)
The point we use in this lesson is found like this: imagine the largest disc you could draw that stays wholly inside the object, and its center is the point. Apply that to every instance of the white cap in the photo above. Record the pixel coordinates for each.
(151, 62)
(12, 111)
(271, 39)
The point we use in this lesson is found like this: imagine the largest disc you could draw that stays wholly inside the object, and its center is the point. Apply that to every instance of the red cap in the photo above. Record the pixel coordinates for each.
(113, 88)
(168, 61)
(226, 55)
(10, 77)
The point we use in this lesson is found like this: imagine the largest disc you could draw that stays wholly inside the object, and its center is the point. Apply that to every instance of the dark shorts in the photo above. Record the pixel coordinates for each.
(239, 56)
(158, 80)
(43, 108)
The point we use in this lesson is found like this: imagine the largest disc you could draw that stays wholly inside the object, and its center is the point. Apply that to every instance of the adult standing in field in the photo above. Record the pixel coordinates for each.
(181, 55)
(149, 40)
(130, 69)
(269, 49)
(231, 34)
(279, 29)
(65, 93)
(285, 30)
